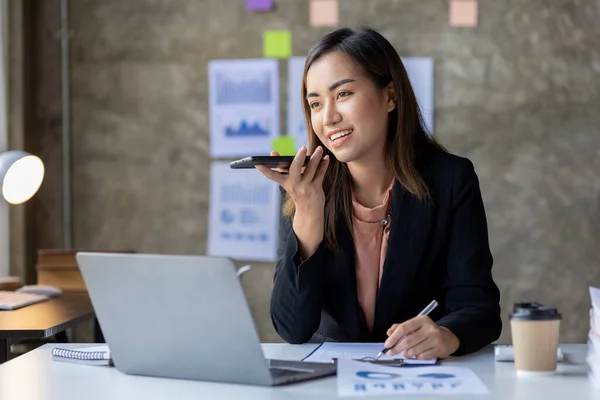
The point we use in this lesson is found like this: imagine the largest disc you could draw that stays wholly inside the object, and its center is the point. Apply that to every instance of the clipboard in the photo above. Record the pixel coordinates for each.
(388, 363)
(329, 352)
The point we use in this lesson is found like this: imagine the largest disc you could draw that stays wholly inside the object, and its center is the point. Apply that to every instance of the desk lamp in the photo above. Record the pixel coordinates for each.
(21, 175)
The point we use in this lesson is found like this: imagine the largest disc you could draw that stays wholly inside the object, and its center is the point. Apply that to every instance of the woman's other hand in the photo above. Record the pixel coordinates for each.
(421, 338)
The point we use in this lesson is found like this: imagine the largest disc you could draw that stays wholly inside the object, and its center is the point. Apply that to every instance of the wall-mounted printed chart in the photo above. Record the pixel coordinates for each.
(244, 106)
(243, 214)
(420, 71)
(296, 124)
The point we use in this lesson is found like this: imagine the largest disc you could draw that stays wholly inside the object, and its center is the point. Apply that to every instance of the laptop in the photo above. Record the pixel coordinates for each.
(182, 317)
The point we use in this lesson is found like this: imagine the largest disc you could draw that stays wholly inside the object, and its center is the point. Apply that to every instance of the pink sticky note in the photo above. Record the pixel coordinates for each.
(259, 5)
(324, 12)
(463, 13)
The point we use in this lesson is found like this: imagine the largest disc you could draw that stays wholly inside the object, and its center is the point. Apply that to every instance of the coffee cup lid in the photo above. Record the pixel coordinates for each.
(534, 312)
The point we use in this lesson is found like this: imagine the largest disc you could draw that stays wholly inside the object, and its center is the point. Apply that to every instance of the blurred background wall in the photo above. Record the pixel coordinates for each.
(519, 95)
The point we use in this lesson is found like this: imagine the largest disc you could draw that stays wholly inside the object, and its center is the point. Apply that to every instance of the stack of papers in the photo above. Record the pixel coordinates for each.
(593, 357)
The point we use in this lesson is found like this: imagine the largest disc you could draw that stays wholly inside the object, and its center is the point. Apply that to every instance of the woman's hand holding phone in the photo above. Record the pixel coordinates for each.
(306, 190)
(305, 187)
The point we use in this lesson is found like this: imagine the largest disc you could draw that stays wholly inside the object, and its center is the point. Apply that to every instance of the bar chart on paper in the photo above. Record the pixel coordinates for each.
(238, 193)
(244, 107)
(244, 88)
(246, 127)
(296, 123)
(243, 214)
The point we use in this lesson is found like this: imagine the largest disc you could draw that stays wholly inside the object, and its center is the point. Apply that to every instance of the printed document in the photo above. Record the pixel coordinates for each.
(329, 350)
(361, 379)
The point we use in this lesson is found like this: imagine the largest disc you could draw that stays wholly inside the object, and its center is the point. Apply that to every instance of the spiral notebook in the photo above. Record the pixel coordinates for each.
(96, 355)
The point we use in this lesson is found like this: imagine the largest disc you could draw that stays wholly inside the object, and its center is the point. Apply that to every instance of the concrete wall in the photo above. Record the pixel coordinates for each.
(519, 95)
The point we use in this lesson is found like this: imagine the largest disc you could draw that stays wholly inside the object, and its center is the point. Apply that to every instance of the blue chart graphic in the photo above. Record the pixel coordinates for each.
(245, 128)
(437, 376)
(227, 217)
(240, 194)
(376, 375)
(241, 236)
(248, 217)
(243, 224)
(256, 89)
(245, 216)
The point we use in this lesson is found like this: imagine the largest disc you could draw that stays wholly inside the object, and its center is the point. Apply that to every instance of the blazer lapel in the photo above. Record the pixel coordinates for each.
(411, 223)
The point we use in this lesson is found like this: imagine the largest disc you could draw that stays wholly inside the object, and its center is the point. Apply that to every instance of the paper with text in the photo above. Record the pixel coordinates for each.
(243, 107)
(296, 122)
(329, 350)
(243, 214)
(360, 379)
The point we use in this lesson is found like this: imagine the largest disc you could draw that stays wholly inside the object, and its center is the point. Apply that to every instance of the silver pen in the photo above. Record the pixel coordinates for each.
(425, 311)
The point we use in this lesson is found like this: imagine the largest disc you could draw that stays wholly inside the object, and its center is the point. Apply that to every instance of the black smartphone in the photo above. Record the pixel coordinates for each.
(268, 161)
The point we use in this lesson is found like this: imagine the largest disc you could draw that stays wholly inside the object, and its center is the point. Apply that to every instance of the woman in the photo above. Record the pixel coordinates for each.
(381, 220)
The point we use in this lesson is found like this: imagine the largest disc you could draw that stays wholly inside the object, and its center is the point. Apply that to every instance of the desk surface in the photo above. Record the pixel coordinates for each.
(34, 376)
(45, 319)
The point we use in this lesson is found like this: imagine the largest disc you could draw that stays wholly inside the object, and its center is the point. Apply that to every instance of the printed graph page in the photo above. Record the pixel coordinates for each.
(359, 379)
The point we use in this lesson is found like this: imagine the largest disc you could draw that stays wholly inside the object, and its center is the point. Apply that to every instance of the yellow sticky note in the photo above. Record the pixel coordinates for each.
(463, 13)
(324, 12)
(277, 44)
(284, 145)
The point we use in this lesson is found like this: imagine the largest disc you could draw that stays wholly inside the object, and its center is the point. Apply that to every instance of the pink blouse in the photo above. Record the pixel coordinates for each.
(370, 241)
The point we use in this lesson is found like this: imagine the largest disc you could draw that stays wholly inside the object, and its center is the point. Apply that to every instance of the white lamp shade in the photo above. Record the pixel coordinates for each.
(21, 175)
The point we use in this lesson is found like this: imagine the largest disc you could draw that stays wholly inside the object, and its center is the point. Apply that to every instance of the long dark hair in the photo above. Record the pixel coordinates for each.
(407, 137)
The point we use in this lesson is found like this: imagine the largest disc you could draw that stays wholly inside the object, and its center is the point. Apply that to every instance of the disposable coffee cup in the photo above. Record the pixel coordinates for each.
(535, 334)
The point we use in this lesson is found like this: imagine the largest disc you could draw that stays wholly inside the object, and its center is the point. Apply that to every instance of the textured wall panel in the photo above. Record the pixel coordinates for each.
(519, 95)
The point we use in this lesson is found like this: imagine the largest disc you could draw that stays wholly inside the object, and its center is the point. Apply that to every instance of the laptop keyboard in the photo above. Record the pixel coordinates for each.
(281, 372)
(13, 300)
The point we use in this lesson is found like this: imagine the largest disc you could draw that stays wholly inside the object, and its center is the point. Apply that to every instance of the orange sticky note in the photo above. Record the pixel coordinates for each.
(324, 12)
(463, 13)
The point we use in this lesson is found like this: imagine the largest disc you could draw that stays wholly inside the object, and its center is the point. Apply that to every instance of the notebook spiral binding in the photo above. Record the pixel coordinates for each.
(80, 355)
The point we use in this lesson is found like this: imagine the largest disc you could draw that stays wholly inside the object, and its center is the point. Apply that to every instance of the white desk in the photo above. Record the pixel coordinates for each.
(34, 376)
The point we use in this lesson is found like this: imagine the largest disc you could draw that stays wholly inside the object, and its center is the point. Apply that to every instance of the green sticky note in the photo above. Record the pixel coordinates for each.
(284, 145)
(277, 44)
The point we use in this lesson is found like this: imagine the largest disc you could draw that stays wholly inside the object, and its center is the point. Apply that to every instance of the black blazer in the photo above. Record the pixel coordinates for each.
(436, 250)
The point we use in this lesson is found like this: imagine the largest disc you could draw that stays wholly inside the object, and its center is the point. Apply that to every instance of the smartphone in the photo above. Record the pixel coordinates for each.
(268, 161)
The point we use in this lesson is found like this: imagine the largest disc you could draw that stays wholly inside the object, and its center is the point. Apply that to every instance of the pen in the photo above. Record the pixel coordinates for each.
(425, 311)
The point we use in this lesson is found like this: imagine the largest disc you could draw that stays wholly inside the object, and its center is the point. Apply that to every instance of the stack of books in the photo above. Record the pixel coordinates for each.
(593, 357)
